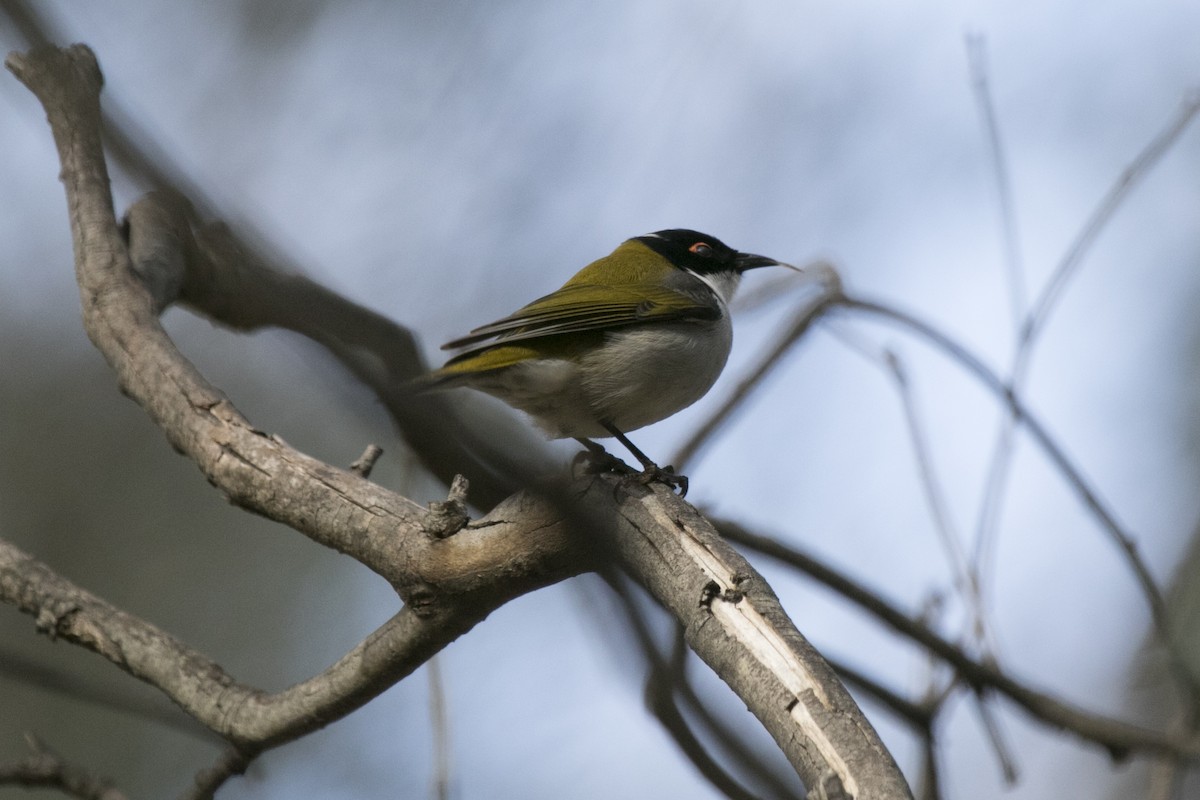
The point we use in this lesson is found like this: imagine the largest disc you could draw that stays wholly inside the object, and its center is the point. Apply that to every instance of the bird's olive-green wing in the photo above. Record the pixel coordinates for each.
(589, 307)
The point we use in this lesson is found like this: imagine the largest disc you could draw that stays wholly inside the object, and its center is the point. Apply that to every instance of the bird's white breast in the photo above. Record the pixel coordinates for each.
(637, 376)
(643, 375)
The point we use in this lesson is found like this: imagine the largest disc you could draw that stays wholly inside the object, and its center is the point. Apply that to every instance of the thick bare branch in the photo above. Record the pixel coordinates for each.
(455, 581)
(242, 714)
(667, 684)
(734, 622)
(233, 284)
(334, 507)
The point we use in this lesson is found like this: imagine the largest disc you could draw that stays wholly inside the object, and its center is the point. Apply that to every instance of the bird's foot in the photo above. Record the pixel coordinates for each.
(654, 473)
(597, 460)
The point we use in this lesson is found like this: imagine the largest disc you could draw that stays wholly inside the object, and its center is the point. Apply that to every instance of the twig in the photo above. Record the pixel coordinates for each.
(88, 690)
(1014, 268)
(439, 722)
(802, 320)
(929, 787)
(363, 465)
(1117, 737)
(206, 783)
(991, 725)
(1129, 178)
(1035, 321)
(1003, 392)
(918, 715)
(45, 768)
(965, 580)
(661, 686)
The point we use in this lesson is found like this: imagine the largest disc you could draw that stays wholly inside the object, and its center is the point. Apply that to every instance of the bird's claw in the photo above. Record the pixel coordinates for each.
(597, 461)
(666, 475)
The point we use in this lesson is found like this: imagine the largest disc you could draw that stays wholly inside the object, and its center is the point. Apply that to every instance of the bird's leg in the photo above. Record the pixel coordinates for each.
(650, 470)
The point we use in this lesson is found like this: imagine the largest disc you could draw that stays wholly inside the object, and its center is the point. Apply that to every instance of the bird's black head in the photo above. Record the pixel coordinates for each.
(700, 253)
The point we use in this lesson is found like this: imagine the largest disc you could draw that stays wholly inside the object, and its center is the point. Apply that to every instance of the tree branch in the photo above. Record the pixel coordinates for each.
(261, 473)
(449, 582)
(231, 762)
(1119, 738)
(1003, 391)
(43, 767)
(241, 714)
(734, 622)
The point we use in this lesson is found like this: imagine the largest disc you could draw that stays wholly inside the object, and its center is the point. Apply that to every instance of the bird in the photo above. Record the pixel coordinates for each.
(629, 340)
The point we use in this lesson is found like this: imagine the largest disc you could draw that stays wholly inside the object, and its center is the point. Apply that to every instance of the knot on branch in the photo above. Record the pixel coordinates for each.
(363, 465)
(54, 617)
(41, 66)
(448, 517)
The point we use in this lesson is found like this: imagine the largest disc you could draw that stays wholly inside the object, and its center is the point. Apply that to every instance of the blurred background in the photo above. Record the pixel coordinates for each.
(445, 162)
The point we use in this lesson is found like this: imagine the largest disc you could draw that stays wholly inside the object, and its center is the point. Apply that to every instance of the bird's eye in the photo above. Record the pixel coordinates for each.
(701, 249)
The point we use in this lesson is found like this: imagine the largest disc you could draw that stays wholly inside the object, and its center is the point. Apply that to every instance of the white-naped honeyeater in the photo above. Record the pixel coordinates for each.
(629, 340)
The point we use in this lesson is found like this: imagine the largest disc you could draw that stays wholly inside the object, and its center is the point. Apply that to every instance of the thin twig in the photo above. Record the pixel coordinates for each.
(1003, 392)
(439, 721)
(1014, 268)
(929, 786)
(660, 701)
(208, 780)
(965, 580)
(995, 734)
(363, 465)
(1037, 317)
(92, 691)
(45, 768)
(918, 715)
(1129, 178)
(802, 320)
(1117, 737)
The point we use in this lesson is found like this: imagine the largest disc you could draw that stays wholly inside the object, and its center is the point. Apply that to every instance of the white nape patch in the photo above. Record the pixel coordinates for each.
(724, 284)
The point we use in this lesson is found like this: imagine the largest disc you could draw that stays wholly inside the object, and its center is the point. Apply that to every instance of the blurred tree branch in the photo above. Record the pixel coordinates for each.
(1119, 738)
(45, 768)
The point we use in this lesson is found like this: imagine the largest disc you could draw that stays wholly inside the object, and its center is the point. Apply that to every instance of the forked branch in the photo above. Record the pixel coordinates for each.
(449, 579)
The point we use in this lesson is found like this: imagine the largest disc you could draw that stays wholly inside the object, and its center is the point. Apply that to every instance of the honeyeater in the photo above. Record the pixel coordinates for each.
(631, 339)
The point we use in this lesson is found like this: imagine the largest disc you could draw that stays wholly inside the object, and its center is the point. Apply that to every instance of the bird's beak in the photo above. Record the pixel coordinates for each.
(745, 261)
